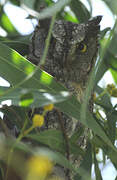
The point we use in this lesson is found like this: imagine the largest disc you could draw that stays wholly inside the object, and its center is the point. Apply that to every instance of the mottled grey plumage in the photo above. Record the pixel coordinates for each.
(65, 60)
(71, 56)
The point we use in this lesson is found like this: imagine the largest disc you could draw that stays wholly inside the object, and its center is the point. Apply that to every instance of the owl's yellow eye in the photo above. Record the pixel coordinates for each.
(82, 47)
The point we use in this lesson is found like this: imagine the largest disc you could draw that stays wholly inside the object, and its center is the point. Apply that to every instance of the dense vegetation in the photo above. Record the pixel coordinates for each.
(25, 91)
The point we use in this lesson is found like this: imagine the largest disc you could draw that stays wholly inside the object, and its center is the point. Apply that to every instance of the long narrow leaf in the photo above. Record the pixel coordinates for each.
(97, 170)
(14, 68)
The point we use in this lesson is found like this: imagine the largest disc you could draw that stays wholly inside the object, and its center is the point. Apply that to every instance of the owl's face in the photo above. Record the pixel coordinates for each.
(75, 47)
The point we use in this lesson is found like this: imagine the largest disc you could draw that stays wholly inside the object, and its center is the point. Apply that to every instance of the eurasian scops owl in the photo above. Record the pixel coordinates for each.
(72, 54)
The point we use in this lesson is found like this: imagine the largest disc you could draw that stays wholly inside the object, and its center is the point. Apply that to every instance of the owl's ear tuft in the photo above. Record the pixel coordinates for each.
(95, 20)
(93, 26)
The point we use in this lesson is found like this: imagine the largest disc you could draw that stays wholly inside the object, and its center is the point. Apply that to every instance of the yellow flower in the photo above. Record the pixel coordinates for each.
(39, 167)
(110, 86)
(112, 90)
(48, 107)
(38, 120)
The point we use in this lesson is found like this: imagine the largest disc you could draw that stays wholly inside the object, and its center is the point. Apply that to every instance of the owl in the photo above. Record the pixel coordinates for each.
(71, 55)
(72, 51)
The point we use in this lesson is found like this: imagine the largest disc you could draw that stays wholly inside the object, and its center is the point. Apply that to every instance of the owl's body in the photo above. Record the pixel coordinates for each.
(71, 56)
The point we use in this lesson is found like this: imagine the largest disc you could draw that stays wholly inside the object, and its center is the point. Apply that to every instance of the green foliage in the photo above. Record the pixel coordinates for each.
(30, 87)
(80, 10)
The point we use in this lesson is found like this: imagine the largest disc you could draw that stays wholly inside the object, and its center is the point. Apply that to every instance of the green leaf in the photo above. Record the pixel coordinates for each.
(104, 101)
(114, 74)
(87, 161)
(101, 70)
(17, 42)
(14, 68)
(76, 150)
(55, 140)
(80, 10)
(113, 44)
(108, 54)
(72, 108)
(52, 138)
(109, 57)
(20, 47)
(55, 156)
(26, 99)
(50, 11)
(110, 152)
(112, 5)
(6, 24)
(111, 121)
(15, 2)
(14, 116)
(90, 5)
(76, 135)
(110, 60)
(104, 31)
(1, 172)
(31, 97)
(67, 16)
(86, 164)
(97, 170)
(39, 4)
(49, 2)
(28, 3)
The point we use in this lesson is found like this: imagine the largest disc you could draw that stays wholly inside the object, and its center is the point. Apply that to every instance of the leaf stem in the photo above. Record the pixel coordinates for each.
(47, 42)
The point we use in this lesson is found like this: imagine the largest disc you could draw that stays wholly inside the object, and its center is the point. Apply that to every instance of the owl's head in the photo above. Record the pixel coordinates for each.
(75, 47)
